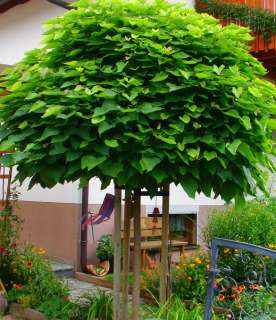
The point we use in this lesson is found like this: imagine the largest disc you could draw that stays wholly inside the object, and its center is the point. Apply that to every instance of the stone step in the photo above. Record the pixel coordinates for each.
(62, 269)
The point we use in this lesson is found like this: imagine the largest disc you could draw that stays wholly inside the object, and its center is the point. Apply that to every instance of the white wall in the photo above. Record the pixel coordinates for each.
(21, 28)
(177, 196)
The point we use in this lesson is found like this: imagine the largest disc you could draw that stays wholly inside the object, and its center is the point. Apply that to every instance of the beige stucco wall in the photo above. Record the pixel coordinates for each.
(53, 226)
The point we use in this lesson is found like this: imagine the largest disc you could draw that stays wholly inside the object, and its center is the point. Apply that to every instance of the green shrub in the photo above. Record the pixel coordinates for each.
(254, 223)
(189, 278)
(174, 309)
(36, 282)
(10, 225)
(105, 248)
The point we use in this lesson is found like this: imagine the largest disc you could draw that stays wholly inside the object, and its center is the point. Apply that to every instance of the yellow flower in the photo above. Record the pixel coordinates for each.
(226, 250)
(190, 278)
(272, 246)
(192, 265)
(198, 261)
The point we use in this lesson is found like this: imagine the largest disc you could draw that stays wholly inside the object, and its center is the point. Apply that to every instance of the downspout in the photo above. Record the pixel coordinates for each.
(85, 191)
(83, 240)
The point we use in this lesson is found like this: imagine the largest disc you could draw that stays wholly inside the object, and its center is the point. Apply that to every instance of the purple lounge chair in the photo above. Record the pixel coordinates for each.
(103, 215)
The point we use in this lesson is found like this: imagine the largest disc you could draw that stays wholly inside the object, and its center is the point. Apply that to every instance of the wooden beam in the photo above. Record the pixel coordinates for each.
(117, 254)
(164, 283)
(126, 254)
(137, 259)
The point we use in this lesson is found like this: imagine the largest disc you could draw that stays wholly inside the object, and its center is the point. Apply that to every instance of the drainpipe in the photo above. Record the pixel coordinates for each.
(60, 3)
(83, 240)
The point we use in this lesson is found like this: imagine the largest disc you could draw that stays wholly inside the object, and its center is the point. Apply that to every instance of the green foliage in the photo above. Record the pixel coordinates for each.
(105, 248)
(255, 223)
(249, 304)
(132, 90)
(93, 306)
(36, 282)
(259, 20)
(189, 278)
(174, 309)
(10, 225)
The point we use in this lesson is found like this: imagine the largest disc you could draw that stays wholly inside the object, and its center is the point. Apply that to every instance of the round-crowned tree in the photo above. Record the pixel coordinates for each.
(141, 93)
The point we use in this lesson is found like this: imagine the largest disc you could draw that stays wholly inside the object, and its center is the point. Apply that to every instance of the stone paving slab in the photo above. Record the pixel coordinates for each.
(78, 288)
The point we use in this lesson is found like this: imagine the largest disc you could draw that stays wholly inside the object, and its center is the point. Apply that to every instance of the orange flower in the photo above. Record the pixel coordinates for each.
(254, 287)
(235, 297)
(221, 297)
(18, 286)
(29, 264)
(241, 287)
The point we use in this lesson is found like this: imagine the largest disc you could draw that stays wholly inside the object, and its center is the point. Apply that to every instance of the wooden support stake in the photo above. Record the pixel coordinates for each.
(164, 248)
(127, 216)
(137, 258)
(117, 253)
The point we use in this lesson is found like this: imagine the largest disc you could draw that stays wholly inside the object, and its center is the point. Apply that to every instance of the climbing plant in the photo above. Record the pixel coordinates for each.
(258, 20)
(142, 93)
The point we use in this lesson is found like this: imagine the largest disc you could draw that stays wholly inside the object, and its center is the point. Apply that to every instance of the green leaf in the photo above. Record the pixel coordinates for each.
(112, 143)
(246, 122)
(111, 169)
(52, 111)
(90, 162)
(23, 125)
(149, 163)
(193, 153)
(233, 146)
(255, 92)
(49, 132)
(120, 66)
(105, 126)
(245, 150)
(185, 118)
(37, 105)
(165, 139)
(237, 91)
(217, 69)
(149, 108)
(160, 76)
(6, 145)
(209, 155)
(190, 186)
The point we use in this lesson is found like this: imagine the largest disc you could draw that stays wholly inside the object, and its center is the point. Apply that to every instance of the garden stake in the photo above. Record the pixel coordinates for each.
(117, 253)
(164, 249)
(137, 257)
(128, 214)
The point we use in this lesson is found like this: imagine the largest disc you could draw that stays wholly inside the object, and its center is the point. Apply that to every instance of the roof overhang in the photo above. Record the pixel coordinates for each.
(8, 4)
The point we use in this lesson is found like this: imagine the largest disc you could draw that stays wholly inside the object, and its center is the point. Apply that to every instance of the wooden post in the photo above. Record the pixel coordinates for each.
(137, 257)
(164, 248)
(127, 216)
(117, 253)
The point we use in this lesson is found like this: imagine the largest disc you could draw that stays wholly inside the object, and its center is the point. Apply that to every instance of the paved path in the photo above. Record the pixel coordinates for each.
(78, 288)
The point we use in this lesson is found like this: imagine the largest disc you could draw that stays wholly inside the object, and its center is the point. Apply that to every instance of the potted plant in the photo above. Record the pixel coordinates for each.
(105, 250)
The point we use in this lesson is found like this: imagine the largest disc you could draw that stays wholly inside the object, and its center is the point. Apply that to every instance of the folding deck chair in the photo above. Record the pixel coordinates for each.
(103, 215)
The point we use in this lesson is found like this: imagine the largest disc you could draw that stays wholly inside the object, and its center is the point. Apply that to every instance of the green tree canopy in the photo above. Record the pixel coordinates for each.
(142, 93)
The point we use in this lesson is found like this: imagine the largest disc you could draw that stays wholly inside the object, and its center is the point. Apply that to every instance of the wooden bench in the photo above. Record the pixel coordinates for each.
(151, 234)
